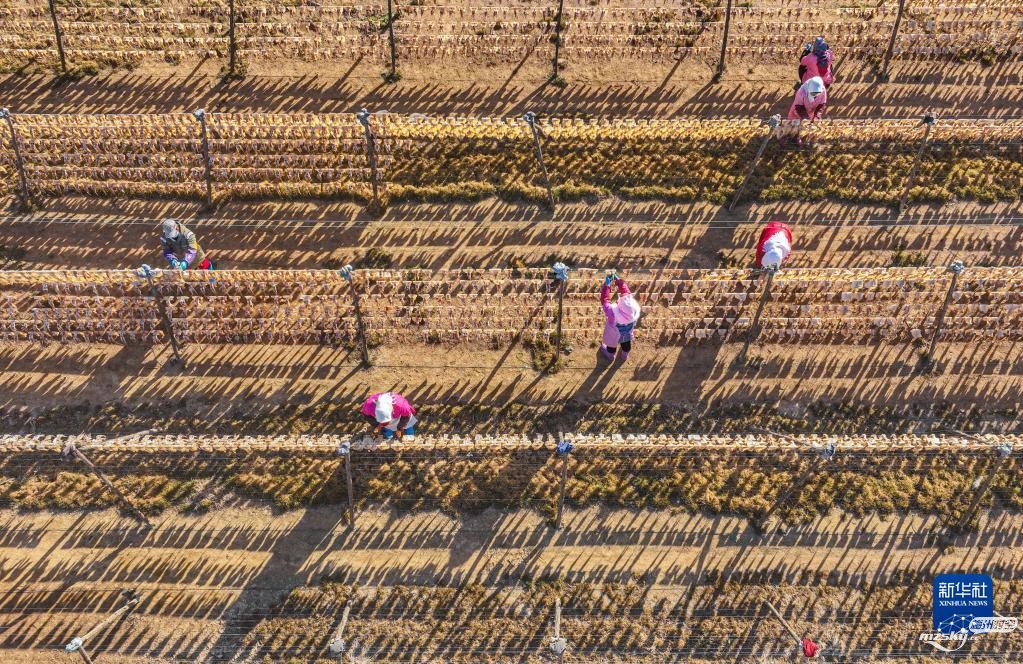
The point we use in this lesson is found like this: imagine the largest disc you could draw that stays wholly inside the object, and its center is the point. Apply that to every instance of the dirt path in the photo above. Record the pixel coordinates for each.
(205, 581)
(302, 388)
(621, 88)
(95, 234)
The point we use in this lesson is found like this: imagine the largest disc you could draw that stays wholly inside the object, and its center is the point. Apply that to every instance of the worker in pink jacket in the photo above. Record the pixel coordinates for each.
(621, 318)
(774, 245)
(808, 106)
(816, 61)
(390, 414)
(810, 100)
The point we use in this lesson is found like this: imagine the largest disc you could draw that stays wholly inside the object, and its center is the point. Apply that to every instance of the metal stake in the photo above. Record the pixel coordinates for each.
(556, 62)
(58, 37)
(563, 450)
(724, 41)
(772, 122)
(168, 327)
(390, 38)
(232, 45)
(371, 154)
(77, 644)
(754, 330)
(360, 327)
(200, 115)
(883, 73)
(928, 121)
(561, 276)
(23, 192)
(345, 450)
(956, 268)
(71, 450)
(530, 119)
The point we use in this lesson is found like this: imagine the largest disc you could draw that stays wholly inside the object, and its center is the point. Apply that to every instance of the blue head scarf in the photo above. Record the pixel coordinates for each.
(820, 49)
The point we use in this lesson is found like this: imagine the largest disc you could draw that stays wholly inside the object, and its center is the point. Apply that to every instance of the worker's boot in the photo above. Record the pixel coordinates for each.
(624, 356)
(606, 354)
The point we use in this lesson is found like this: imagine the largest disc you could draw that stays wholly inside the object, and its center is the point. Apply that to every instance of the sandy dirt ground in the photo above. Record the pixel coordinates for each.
(221, 383)
(610, 88)
(205, 580)
(90, 233)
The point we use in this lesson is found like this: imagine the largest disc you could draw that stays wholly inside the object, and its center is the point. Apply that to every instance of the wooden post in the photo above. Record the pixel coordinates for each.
(1004, 451)
(168, 327)
(724, 41)
(530, 119)
(883, 72)
(232, 44)
(772, 123)
(563, 450)
(393, 75)
(956, 268)
(360, 327)
(754, 329)
(559, 644)
(207, 161)
(71, 450)
(371, 155)
(561, 276)
(77, 644)
(556, 62)
(344, 450)
(23, 193)
(788, 628)
(928, 121)
(58, 35)
(85, 655)
(824, 455)
(337, 642)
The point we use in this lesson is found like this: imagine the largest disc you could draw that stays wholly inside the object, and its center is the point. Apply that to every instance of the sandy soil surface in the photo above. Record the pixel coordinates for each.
(205, 581)
(620, 88)
(90, 233)
(271, 385)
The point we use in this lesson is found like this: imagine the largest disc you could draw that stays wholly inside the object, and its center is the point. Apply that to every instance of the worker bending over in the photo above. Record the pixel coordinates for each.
(774, 245)
(621, 318)
(807, 106)
(390, 414)
(181, 249)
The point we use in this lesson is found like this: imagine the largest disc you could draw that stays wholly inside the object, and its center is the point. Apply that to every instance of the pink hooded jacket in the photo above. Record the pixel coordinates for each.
(813, 68)
(812, 108)
(402, 408)
(620, 324)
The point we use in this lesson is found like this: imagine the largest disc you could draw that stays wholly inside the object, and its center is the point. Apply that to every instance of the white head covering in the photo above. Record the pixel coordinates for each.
(814, 86)
(776, 249)
(384, 408)
(626, 310)
(170, 229)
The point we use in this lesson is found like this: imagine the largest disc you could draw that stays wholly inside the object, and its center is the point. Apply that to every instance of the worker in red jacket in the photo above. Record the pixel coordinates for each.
(774, 245)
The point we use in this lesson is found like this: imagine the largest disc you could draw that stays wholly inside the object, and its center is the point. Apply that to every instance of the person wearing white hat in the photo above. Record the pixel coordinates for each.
(774, 245)
(621, 316)
(807, 106)
(180, 247)
(390, 414)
